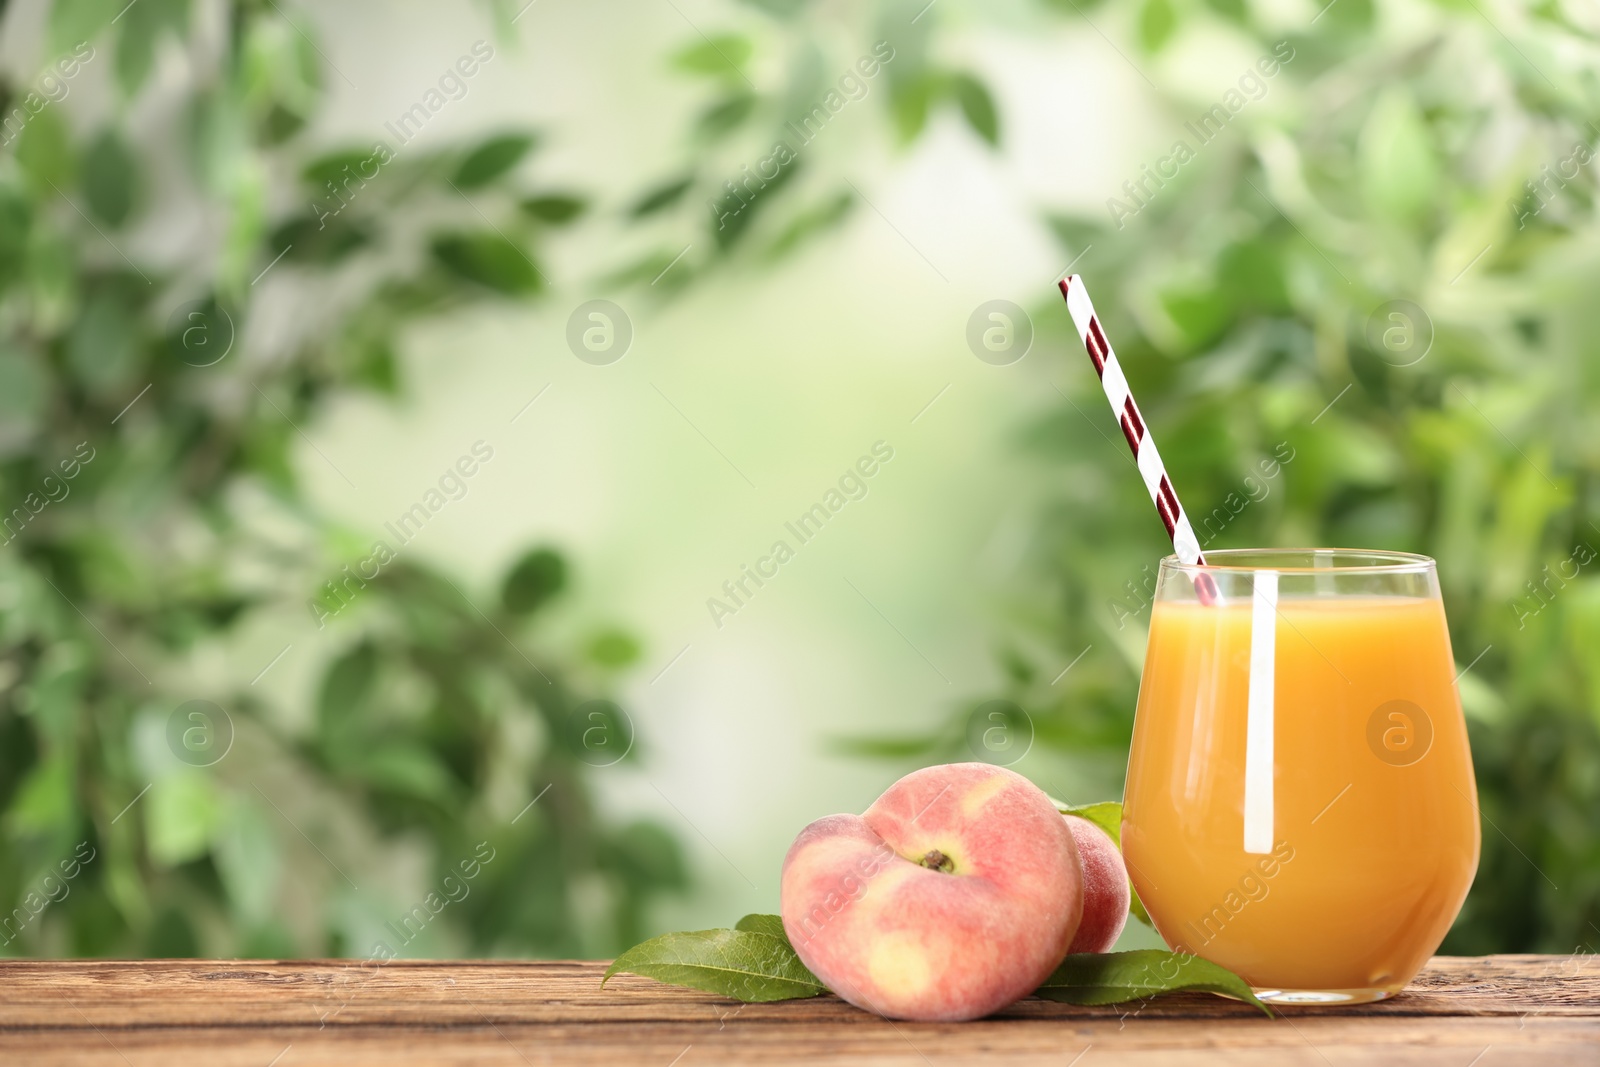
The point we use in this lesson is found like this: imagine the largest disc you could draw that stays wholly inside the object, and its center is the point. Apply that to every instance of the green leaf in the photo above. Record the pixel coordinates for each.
(400, 767)
(110, 178)
(554, 209)
(336, 167)
(346, 685)
(180, 814)
(977, 105)
(489, 260)
(102, 347)
(1399, 174)
(1235, 11)
(661, 197)
(726, 115)
(725, 54)
(45, 152)
(492, 158)
(747, 965)
(810, 222)
(533, 580)
(755, 923)
(1158, 21)
(1092, 978)
(16, 222)
(142, 25)
(77, 21)
(613, 648)
(909, 101)
(1354, 16)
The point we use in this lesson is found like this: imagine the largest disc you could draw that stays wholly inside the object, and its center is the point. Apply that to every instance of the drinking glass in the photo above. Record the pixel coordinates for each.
(1300, 803)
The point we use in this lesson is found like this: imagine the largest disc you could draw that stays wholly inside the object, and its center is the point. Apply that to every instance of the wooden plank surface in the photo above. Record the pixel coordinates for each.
(1483, 1012)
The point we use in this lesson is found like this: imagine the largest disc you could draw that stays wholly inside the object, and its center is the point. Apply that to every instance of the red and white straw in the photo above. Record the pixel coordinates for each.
(1154, 472)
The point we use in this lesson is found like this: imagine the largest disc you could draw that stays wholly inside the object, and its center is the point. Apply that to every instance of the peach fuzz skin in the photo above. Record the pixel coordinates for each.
(1106, 892)
(869, 911)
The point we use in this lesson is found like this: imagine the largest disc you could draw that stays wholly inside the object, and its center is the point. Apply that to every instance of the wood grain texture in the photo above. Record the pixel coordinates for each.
(1484, 1012)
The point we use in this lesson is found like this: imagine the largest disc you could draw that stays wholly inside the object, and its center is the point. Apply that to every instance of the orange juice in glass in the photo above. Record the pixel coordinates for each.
(1300, 803)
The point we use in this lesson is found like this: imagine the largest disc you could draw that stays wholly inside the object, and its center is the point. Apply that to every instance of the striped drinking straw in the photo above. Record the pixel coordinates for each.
(1154, 472)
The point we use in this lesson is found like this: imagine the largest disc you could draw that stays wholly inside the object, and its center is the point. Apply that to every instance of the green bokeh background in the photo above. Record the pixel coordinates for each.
(536, 689)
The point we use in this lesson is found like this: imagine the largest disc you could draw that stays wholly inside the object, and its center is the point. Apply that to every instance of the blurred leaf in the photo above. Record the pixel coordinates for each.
(1235, 11)
(977, 105)
(811, 222)
(489, 260)
(1350, 16)
(1158, 21)
(248, 860)
(398, 767)
(101, 349)
(322, 242)
(909, 102)
(533, 581)
(726, 115)
(110, 178)
(1399, 176)
(346, 685)
(16, 222)
(554, 209)
(614, 649)
(180, 813)
(335, 168)
(492, 159)
(723, 54)
(44, 800)
(75, 21)
(141, 27)
(661, 197)
(647, 856)
(45, 153)
(24, 388)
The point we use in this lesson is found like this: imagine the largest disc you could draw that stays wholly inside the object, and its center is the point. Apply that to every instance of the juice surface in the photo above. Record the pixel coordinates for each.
(1376, 827)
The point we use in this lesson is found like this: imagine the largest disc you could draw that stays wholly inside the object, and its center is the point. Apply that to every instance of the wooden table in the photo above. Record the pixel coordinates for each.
(1486, 1012)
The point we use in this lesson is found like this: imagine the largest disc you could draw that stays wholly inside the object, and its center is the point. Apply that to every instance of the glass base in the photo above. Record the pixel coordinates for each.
(1323, 998)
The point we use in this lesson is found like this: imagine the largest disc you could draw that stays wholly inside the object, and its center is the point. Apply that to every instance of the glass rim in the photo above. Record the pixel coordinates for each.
(1379, 561)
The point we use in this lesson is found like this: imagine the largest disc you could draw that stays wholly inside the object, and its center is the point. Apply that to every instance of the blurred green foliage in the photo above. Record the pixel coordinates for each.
(156, 527)
(1430, 153)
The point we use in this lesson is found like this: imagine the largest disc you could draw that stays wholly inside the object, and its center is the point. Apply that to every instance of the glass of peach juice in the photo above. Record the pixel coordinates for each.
(1300, 804)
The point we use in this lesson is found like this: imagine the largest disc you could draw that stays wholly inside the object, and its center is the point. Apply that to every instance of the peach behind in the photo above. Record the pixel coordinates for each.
(907, 941)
